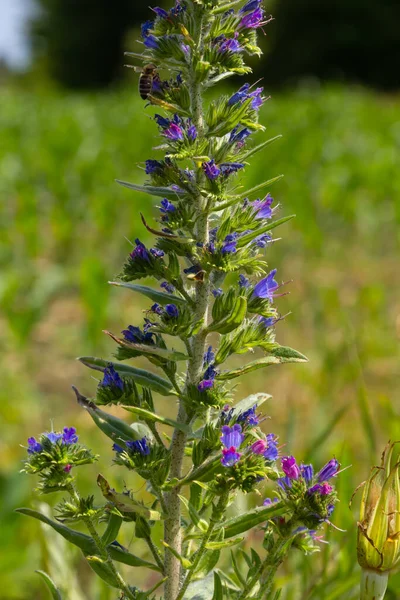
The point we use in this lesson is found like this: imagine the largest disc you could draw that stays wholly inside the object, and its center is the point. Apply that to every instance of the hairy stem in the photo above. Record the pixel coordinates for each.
(172, 530)
(101, 546)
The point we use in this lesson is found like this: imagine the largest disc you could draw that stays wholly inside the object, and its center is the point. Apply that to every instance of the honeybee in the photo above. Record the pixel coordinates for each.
(147, 76)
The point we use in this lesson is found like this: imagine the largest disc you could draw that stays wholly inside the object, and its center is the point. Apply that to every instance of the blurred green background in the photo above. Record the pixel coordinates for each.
(63, 229)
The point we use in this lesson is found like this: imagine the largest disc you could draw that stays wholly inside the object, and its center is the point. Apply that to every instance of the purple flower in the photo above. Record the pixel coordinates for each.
(111, 378)
(117, 448)
(229, 168)
(156, 252)
(272, 452)
(284, 482)
(69, 436)
(167, 287)
(269, 501)
(249, 416)
(250, 6)
(266, 287)
(146, 27)
(67, 468)
(259, 446)
(211, 170)
(232, 436)
(185, 49)
(329, 470)
(229, 244)
(150, 41)
(217, 292)
(209, 356)
(230, 457)
(160, 12)
(157, 309)
(205, 384)
(167, 206)
(139, 446)
(174, 133)
(307, 473)
(153, 166)
(172, 311)
(192, 132)
(262, 240)
(34, 446)
(162, 121)
(258, 100)
(263, 207)
(324, 490)
(268, 321)
(253, 20)
(290, 467)
(140, 252)
(230, 45)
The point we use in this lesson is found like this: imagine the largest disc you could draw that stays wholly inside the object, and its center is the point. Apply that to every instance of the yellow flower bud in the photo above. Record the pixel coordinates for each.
(378, 542)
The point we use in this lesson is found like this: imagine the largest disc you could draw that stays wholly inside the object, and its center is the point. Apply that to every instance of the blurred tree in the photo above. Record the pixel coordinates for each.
(83, 40)
(354, 40)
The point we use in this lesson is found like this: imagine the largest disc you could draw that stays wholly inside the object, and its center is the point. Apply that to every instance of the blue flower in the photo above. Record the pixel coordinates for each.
(328, 471)
(250, 6)
(253, 20)
(209, 356)
(150, 41)
(174, 132)
(135, 335)
(157, 309)
(140, 252)
(139, 446)
(172, 311)
(232, 436)
(262, 240)
(229, 168)
(211, 170)
(272, 452)
(160, 12)
(69, 436)
(153, 166)
(53, 436)
(146, 27)
(230, 456)
(239, 136)
(229, 45)
(34, 446)
(205, 384)
(243, 281)
(266, 287)
(156, 252)
(240, 96)
(268, 321)
(117, 448)
(307, 473)
(167, 287)
(162, 121)
(263, 207)
(111, 378)
(229, 244)
(284, 482)
(258, 99)
(192, 132)
(249, 416)
(217, 292)
(269, 501)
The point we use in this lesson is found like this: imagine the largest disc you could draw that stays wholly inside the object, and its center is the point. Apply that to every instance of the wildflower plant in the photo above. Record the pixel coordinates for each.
(214, 297)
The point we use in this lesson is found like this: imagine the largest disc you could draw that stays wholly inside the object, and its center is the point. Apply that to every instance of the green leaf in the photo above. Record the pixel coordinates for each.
(218, 589)
(103, 570)
(116, 429)
(162, 192)
(87, 544)
(250, 401)
(232, 320)
(259, 147)
(224, 543)
(203, 589)
(194, 515)
(245, 239)
(54, 592)
(237, 525)
(146, 415)
(185, 562)
(155, 295)
(140, 376)
(289, 354)
(267, 361)
(124, 502)
(147, 349)
(113, 526)
(234, 199)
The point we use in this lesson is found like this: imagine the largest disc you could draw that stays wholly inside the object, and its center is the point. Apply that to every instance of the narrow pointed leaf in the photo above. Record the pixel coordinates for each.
(245, 239)
(146, 415)
(267, 361)
(233, 319)
(54, 592)
(155, 295)
(103, 570)
(124, 501)
(113, 526)
(161, 192)
(242, 523)
(289, 353)
(224, 543)
(140, 376)
(259, 147)
(145, 349)
(218, 589)
(185, 562)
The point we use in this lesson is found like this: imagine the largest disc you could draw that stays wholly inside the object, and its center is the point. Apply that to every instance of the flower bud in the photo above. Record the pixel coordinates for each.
(378, 543)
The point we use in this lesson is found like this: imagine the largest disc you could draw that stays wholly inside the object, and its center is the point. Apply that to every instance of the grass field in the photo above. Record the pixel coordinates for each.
(63, 229)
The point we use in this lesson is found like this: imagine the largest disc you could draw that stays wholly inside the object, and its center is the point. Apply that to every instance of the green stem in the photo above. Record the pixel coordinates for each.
(101, 546)
(215, 517)
(156, 553)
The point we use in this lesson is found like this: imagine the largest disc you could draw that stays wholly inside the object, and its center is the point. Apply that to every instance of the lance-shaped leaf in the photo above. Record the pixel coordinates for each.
(185, 562)
(146, 415)
(124, 502)
(140, 376)
(242, 523)
(116, 429)
(249, 237)
(161, 192)
(224, 543)
(252, 191)
(55, 593)
(103, 570)
(267, 361)
(259, 147)
(155, 295)
(113, 526)
(203, 589)
(169, 236)
(290, 354)
(87, 544)
(145, 349)
(233, 319)
(250, 401)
